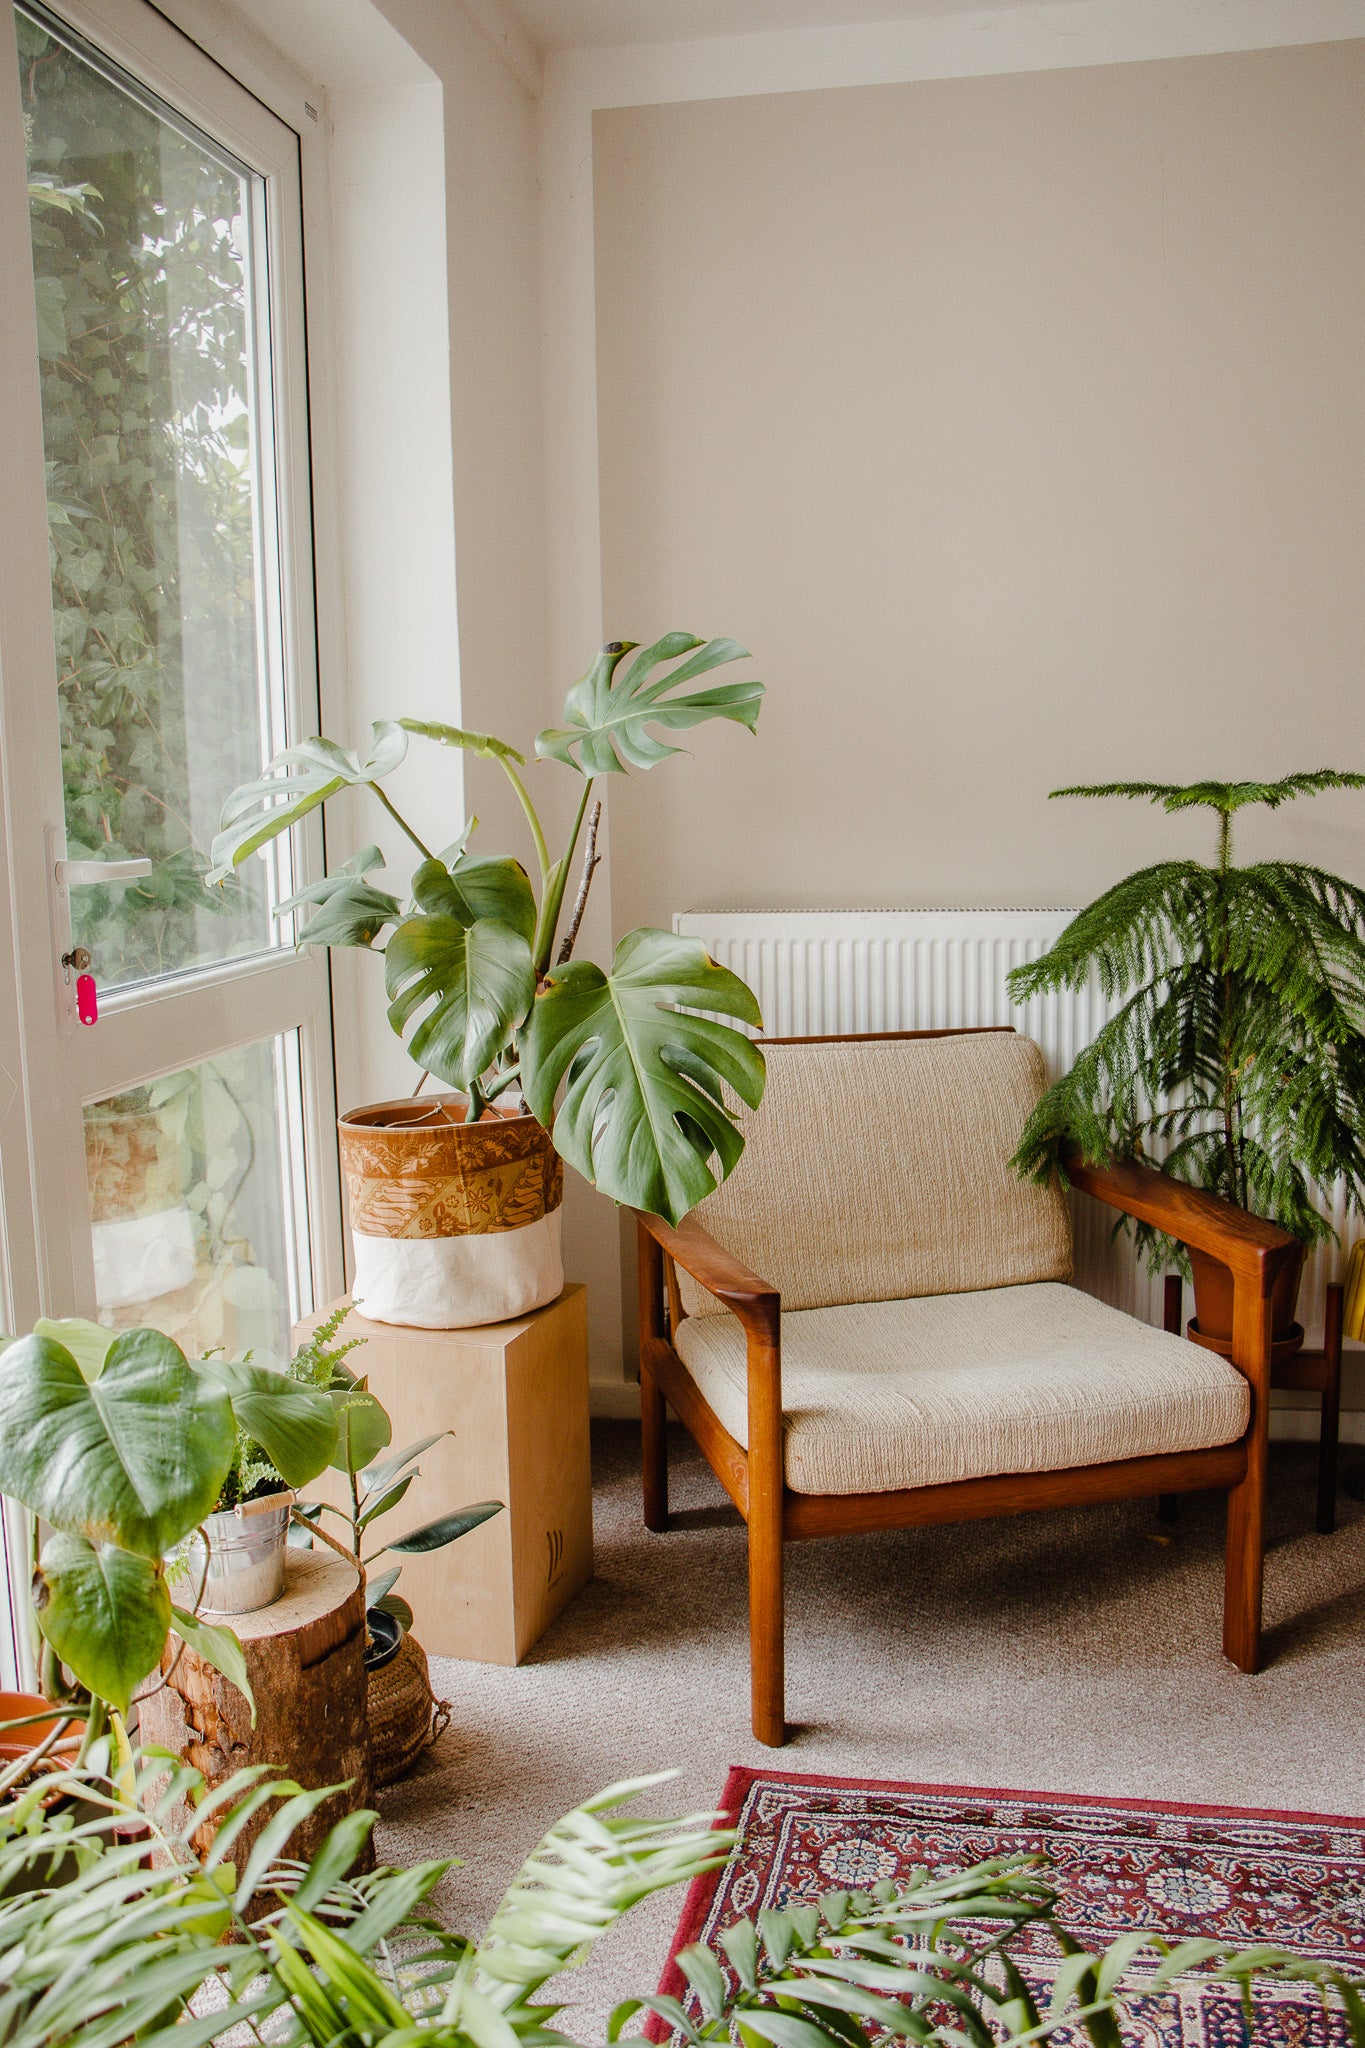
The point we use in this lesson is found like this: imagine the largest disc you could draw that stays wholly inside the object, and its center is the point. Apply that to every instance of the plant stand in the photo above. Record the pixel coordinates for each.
(516, 1396)
(303, 1658)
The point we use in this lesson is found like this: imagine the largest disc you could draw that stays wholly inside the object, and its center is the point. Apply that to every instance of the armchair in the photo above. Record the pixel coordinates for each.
(867, 1326)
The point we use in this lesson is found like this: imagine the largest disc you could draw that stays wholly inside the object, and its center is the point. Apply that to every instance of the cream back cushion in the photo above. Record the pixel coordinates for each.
(877, 1170)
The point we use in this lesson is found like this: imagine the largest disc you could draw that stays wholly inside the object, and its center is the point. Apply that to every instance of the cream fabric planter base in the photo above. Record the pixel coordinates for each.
(454, 1283)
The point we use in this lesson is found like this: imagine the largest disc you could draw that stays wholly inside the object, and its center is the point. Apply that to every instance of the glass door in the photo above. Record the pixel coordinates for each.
(181, 1156)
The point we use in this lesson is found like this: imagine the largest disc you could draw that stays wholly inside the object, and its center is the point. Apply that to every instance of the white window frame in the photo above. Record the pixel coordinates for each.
(50, 1066)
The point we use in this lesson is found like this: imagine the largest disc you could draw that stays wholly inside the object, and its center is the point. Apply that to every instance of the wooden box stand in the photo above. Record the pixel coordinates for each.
(303, 1659)
(516, 1396)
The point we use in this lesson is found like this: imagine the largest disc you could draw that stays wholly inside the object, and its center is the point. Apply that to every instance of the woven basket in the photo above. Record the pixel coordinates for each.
(404, 1717)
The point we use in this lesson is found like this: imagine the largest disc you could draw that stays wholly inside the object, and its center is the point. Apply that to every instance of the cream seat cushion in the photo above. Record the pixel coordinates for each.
(880, 1168)
(1041, 1378)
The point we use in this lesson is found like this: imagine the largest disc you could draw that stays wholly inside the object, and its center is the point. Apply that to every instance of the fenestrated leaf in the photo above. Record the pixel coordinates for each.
(352, 910)
(217, 1646)
(608, 718)
(475, 888)
(295, 1425)
(435, 1535)
(474, 983)
(105, 1612)
(295, 783)
(136, 1457)
(643, 1112)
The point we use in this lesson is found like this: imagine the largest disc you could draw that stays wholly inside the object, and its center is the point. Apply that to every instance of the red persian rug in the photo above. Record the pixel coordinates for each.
(1232, 1874)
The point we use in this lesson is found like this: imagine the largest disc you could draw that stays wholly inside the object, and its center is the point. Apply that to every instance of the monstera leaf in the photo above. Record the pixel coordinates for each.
(643, 1112)
(105, 1612)
(295, 783)
(466, 960)
(608, 719)
(352, 911)
(295, 1425)
(455, 736)
(135, 1456)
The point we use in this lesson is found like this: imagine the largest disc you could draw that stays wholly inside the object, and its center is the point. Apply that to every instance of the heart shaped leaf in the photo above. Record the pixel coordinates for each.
(217, 1646)
(475, 983)
(135, 1457)
(644, 1113)
(363, 1428)
(105, 1612)
(295, 1425)
(608, 719)
(295, 783)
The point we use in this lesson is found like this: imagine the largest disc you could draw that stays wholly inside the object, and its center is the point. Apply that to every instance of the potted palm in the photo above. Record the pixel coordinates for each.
(454, 1201)
(1236, 1057)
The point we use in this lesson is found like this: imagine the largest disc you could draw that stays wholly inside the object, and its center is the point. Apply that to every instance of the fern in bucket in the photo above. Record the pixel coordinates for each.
(1235, 1059)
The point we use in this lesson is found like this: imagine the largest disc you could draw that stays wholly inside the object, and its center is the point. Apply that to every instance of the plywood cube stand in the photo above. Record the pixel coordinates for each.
(516, 1396)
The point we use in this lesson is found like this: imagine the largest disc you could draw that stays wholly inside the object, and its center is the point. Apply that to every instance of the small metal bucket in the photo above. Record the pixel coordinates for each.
(246, 1556)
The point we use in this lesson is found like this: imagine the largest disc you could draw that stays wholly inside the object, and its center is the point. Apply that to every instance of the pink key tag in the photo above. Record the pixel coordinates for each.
(87, 999)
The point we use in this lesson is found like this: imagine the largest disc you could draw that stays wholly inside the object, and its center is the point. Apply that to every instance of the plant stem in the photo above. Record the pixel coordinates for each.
(590, 861)
(523, 794)
(400, 820)
(554, 894)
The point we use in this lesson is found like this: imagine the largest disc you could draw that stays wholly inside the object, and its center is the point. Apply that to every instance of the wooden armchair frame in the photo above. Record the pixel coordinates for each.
(1252, 1249)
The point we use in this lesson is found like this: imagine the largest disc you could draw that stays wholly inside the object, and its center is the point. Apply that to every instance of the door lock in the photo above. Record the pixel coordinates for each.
(79, 958)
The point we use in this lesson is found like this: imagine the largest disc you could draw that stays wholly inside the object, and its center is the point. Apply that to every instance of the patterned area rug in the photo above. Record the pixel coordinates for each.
(1295, 1879)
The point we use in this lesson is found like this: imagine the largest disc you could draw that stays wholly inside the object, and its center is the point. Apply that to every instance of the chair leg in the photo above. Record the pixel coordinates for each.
(1244, 1568)
(767, 1644)
(1168, 1504)
(653, 1452)
(1331, 1413)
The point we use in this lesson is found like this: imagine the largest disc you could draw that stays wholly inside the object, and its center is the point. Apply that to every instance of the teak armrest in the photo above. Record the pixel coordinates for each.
(1251, 1248)
(749, 1297)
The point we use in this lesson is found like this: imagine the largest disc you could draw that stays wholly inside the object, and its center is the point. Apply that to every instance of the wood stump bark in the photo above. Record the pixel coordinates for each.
(304, 1660)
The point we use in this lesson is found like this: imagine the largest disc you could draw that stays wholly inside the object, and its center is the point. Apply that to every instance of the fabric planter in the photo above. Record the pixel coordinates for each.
(453, 1224)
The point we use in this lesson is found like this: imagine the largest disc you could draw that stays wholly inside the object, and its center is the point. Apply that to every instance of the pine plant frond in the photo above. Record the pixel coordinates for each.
(1225, 797)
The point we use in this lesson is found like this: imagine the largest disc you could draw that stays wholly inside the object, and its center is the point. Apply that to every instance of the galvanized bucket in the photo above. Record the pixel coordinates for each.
(245, 1557)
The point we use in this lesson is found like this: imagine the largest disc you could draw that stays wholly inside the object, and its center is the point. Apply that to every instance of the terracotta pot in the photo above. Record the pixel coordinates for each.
(17, 1742)
(454, 1224)
(1212, 1324)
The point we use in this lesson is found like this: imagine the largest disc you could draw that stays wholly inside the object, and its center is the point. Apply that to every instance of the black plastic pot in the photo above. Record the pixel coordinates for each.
(385, 1637)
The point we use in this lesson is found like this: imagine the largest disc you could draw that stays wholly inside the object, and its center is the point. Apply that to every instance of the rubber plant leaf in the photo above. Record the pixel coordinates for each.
(351, 910)
(473, 979)
(217, 1646)
(607, 718)
(105, 1612)
(295, 783)
(435, 1535)
(643, 1112)
(295, 1425)
(135, 1457)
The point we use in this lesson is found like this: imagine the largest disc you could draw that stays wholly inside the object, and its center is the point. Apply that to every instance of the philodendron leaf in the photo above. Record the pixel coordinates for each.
(643, 1111)
(89, 1343)
(105, 1612)
(217, 1646)
(608, 718)
(474, 980)
(295, 783)
(135, 1457)
(435, 1535)
(295, 1425)
(352, 911)
(363, 1428)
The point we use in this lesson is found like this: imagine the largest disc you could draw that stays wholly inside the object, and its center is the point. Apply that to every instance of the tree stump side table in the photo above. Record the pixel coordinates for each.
(304, 1661)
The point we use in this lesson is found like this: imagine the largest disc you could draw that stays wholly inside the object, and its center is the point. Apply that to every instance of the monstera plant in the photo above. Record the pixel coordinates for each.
(490, 1002)
(121, 1444)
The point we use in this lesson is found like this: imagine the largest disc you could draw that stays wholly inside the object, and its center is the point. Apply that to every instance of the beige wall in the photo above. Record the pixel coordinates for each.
(1017, 424)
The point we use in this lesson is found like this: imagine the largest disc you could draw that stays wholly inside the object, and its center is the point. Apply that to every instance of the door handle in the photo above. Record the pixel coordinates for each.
(72, 873)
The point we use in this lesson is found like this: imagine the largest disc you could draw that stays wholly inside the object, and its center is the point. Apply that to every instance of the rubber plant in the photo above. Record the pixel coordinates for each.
(476, 973)
(1235, 1058)
(121, 1445)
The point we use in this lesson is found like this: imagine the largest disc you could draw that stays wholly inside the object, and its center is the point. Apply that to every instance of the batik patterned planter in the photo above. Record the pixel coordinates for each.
(453, 1224)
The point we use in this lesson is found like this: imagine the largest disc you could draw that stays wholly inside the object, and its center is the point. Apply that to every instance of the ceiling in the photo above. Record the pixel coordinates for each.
(565, 24)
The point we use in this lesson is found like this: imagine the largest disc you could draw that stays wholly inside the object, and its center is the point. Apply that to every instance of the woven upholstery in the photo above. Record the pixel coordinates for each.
(878, 1170)
(1037, 1378)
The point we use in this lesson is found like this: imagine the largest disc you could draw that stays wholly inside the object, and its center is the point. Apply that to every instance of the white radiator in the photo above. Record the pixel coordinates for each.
(920, 970)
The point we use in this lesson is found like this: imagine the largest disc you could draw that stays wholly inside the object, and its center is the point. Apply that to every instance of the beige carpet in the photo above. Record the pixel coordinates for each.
(1067, 1652)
